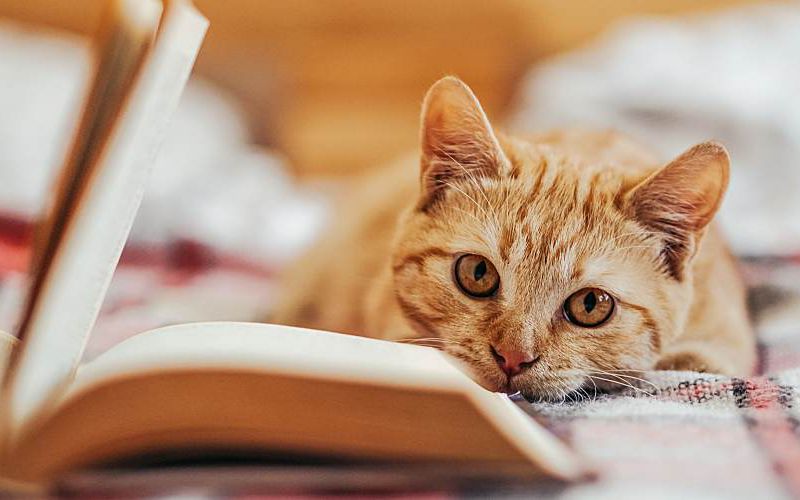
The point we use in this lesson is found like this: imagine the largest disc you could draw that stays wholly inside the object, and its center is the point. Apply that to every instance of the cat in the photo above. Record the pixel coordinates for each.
(548, 264)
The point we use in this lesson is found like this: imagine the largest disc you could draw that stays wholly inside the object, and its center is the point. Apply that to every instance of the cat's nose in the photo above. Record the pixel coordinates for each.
(512, 361)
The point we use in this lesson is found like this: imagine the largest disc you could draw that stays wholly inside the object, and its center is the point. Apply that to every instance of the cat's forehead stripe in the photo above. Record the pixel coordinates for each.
(540, 171)
(507, 239)
(547, 224)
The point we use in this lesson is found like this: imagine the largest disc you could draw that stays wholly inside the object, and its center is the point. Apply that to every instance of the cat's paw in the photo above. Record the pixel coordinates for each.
(685, 361)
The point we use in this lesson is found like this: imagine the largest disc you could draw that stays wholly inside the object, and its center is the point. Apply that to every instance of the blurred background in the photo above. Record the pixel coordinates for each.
(289, 99)
(336, 84)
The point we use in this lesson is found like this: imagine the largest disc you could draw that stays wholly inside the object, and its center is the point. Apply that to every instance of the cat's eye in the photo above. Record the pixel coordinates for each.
(589, 307)
(476, 276)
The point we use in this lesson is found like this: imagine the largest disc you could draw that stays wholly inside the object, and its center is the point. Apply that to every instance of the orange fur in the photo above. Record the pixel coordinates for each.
(554, 213)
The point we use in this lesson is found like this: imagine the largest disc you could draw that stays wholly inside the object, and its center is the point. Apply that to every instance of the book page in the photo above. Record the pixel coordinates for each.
(273, 387)
(277, 349)
(71, 292)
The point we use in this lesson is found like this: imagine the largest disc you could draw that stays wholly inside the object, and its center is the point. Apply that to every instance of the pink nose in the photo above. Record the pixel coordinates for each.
(512, 361)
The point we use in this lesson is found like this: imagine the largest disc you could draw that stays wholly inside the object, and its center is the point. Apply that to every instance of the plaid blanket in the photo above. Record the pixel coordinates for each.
(692, 435)
(679, 434)
(154, 285)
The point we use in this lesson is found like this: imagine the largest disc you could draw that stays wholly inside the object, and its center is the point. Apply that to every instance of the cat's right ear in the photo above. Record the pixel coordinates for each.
(456, 138)
(679, 201)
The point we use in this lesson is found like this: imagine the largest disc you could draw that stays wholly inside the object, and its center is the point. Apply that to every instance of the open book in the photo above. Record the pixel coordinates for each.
(197, 388)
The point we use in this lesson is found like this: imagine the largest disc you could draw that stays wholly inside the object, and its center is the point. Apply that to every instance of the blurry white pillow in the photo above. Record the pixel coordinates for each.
(733, 77)
(210, 184)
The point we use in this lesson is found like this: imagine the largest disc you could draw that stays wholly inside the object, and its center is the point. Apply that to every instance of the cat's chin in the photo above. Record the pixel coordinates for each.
(546, 389)
(536, 389)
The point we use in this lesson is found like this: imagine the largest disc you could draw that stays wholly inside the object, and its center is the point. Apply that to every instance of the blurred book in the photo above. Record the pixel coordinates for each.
(204, 389)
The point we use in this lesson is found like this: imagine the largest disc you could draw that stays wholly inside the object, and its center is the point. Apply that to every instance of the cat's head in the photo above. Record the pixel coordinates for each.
(542, 270)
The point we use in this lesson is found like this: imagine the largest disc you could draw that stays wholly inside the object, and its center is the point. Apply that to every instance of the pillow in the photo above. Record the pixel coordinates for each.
(731, 76)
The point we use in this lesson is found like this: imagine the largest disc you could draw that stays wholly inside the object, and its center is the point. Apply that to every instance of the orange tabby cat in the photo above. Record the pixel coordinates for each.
(546, 263)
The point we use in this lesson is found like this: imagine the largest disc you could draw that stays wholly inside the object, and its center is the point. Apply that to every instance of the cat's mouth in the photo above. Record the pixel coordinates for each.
(536, 384)
(545, 388)
(580, 386)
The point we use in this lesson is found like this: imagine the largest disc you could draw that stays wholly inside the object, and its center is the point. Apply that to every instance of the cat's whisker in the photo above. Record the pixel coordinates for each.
(582, 393)
(420, 339)
(620, 379)
(453, 346)
(441, 347)
(436, 343)
(633, 247)
(633, 370)
(496, 219)
(623, 384)
(580, 390)
(442, 341)
(422, 342)
(627, 247)
(627, 234)
(470, 175)
(615, 382)
(595, 387)
(464, 354)
(478, 221)
(637, 379)
(477, 205)
(614, 373)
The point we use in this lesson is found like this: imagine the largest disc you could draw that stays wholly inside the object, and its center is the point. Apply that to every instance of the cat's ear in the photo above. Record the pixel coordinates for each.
(456, 138)
(680, 200)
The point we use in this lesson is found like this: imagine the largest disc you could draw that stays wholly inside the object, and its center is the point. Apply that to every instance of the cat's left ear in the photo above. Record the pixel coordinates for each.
(680, 200)
(456, 138)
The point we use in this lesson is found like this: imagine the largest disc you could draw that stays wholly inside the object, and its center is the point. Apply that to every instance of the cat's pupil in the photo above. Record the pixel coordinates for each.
(480, 270)
(590, 302)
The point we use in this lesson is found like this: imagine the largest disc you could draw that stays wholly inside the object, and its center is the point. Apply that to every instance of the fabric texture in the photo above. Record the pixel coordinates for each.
(694, 435)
